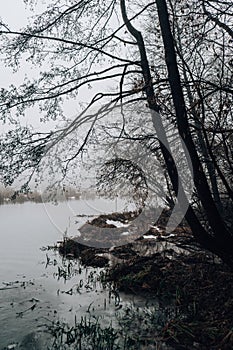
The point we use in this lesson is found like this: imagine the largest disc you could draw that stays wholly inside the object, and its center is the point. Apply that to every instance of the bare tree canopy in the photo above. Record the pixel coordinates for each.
(152, 73)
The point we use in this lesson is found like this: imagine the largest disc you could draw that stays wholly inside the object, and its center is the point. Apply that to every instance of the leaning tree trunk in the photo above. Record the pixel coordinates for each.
(221, 242)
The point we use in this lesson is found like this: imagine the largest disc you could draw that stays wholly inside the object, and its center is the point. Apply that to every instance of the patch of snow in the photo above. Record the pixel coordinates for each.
(156, 228)
(149, 237)
(11, 346)
(118, 224)
(126, 233)
(171, 235)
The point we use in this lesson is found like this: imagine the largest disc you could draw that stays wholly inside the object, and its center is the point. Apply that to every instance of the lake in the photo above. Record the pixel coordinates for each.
(31, 292)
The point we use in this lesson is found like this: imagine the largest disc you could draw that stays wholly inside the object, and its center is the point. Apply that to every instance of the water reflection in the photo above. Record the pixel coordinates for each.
(39, 288)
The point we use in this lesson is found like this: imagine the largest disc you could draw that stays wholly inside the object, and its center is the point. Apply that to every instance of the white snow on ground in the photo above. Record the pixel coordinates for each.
(171, 235)
(125, 233)
(156, 228)
(116, 223)
(155, 237)
(11, 346)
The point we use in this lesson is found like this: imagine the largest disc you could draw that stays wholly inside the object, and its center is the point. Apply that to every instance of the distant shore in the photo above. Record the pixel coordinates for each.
(9, 195)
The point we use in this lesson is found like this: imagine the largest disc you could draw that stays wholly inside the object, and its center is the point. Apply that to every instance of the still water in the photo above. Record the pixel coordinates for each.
(31, 294)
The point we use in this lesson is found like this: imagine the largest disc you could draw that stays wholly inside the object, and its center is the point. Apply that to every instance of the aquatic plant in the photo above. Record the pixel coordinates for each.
(84, 335)
(136, 329)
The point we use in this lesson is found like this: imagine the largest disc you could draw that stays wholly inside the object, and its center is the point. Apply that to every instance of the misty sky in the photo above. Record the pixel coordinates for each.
(15, 14)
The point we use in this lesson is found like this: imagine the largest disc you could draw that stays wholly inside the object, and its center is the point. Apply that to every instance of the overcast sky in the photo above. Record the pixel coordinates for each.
(15, 14)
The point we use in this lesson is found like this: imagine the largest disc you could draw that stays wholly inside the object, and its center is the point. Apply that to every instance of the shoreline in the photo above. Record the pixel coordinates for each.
(172, 267)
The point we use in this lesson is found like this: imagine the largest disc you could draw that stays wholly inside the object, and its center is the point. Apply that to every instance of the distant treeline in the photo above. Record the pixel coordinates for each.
(10, 195)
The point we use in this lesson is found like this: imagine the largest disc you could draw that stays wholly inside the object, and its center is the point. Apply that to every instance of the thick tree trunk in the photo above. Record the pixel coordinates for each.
(221, 243)
(214, 218)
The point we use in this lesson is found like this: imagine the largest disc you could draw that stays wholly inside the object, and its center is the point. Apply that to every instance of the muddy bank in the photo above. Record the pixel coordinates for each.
(117, 237)
(173, 267)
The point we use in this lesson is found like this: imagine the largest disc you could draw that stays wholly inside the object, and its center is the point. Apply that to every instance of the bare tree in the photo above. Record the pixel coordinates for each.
(87, 43)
